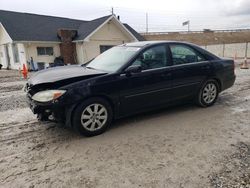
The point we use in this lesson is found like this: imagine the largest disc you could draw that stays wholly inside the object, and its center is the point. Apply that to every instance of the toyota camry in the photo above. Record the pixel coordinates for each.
(128, 79)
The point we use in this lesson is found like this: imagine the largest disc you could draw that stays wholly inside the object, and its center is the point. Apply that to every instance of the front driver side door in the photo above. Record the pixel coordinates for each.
(150, 87)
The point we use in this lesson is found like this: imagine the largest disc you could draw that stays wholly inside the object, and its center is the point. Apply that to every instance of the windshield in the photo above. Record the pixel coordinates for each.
(113, 59)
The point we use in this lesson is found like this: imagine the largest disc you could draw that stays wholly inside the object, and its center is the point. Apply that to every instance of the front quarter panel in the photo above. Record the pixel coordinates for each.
(75, 92)
(106, 86)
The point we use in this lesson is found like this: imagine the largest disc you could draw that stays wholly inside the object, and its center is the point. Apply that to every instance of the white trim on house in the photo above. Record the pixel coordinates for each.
(7, 33)
(121, 24)
(76, 41)
(100, 26)
(86, 39)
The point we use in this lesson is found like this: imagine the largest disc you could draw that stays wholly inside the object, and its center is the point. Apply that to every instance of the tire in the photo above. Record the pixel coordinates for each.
(208, 94)
(92, 117)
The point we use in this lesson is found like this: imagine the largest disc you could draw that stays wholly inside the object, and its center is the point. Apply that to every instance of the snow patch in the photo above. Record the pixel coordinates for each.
(16, 115)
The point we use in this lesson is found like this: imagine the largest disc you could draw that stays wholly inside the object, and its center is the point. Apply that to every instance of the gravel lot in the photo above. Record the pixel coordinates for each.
(184, 146)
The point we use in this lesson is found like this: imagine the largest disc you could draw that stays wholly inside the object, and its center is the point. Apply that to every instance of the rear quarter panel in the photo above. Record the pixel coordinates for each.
(224, 71)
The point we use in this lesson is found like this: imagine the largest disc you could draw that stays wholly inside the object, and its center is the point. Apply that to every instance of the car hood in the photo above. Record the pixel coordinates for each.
(56, 74)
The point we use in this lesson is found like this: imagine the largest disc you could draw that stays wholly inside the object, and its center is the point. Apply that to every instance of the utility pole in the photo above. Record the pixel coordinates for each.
(246, 50)
(146, 22)
(112, 10)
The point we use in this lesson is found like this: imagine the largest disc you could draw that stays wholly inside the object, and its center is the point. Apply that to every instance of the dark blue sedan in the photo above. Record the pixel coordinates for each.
(128, 79)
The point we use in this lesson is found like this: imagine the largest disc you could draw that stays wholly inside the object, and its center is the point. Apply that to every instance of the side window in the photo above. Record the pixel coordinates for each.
(182, 54)
(152, 58)
(45, 51)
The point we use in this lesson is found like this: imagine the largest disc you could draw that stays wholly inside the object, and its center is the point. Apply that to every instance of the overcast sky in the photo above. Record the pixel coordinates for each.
(163, 15)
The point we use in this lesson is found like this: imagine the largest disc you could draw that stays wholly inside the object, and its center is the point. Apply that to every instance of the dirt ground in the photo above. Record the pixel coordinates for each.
(184, 146)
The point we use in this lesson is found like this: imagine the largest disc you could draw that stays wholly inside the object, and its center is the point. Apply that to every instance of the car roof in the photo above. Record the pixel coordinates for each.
(147, 43)
(143, 44)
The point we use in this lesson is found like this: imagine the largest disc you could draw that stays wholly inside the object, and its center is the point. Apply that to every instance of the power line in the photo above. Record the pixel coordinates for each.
(152, 20)
(125, 9)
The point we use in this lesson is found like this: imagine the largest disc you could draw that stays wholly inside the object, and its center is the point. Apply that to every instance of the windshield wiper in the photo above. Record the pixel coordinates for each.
(91, 68)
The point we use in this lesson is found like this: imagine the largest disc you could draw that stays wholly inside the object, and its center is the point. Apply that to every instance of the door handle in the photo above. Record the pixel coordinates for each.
(166, 74)
(206, 67)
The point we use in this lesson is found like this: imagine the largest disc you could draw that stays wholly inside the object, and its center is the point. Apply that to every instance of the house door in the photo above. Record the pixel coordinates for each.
(7, 56)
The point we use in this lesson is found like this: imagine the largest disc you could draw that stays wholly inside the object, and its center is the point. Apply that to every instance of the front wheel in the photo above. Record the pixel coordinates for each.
(208, 94)
(92, 117)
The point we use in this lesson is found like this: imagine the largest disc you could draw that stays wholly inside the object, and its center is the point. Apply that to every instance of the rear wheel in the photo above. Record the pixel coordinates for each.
(208, 94)
(92, 117)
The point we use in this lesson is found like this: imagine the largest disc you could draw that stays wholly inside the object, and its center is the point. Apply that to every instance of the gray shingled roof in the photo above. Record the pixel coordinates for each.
(88, 27)
(33, 27)
(137, 35)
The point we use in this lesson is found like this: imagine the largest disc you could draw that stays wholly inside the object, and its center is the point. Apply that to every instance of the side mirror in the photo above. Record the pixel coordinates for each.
(141, 57)
(133, 69)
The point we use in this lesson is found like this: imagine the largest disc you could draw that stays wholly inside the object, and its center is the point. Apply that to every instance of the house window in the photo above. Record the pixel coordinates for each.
(15, 53)
(45, 51)
(103, 48)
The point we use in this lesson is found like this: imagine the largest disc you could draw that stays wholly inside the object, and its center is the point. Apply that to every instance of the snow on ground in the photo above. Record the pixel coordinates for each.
(16, 115)
(183, 146)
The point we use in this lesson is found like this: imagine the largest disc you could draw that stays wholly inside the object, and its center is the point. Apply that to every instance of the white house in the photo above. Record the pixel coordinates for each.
(24, 36)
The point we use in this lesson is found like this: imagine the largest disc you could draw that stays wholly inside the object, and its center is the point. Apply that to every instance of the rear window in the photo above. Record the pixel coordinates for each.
(182, 54)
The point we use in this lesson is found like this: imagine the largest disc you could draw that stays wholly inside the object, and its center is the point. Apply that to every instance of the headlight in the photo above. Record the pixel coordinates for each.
(48, 95)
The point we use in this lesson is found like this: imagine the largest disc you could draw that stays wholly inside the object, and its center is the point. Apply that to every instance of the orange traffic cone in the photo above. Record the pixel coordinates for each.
(244, 64)
(24, 72)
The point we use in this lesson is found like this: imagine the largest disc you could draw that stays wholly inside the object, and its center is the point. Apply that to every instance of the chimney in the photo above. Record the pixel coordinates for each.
(67, 47)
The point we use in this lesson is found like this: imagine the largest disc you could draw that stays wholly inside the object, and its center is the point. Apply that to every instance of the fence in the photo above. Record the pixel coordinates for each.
(223, 43)
(237, 50)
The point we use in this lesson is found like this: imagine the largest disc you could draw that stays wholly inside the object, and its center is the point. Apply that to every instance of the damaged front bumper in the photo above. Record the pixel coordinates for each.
(54, 112)
(46, 111)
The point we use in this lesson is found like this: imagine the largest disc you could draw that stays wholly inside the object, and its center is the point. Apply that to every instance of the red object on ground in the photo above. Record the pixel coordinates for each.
(24, 72)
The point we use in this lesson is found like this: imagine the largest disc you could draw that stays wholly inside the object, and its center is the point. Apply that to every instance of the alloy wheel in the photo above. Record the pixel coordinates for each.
(209, 93)
(94, 117)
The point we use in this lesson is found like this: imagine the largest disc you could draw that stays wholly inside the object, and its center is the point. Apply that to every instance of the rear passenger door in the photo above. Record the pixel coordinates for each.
(189, 70)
